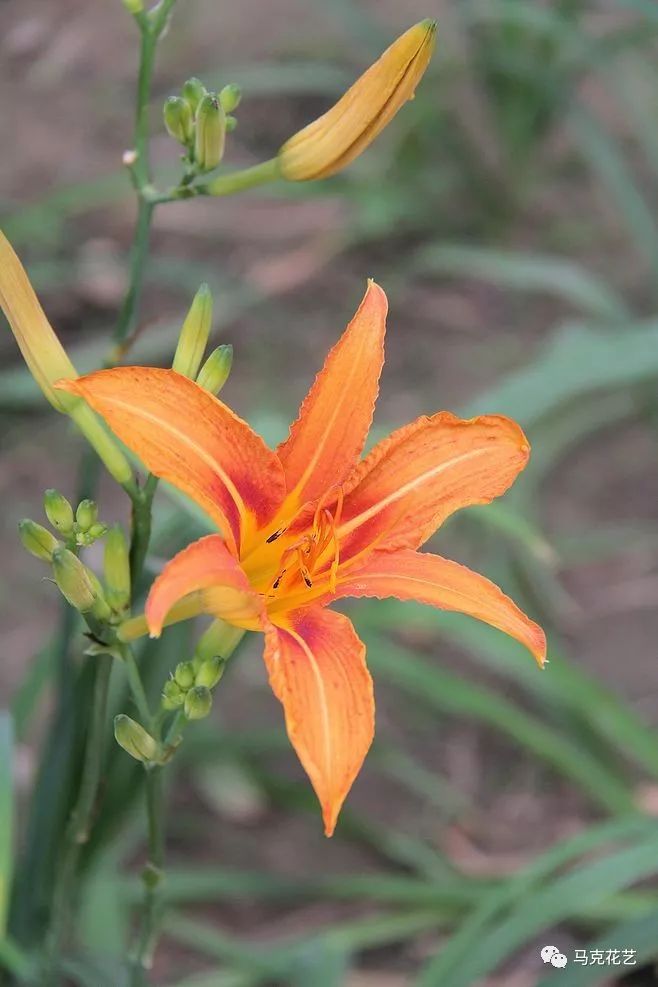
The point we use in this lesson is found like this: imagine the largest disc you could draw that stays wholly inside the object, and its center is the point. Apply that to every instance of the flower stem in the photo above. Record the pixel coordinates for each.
(237, 181)
(138, 258)
(142, 503)
(77, 832)
(152, 876)
(137, 687)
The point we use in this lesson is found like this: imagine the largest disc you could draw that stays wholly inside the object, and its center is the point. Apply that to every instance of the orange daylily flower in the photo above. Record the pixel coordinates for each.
(313, 522)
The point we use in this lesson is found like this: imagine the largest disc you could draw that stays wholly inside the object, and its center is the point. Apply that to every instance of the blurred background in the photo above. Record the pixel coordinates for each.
(510, 214)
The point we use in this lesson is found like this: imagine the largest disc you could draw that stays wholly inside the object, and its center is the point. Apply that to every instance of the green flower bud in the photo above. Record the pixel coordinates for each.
(116, 569)
(37, 540)
(193, 92)
(231, 124)
(198, 702)
(86, 514)
(184, 674)
(230, 97)
(214, 373)
(172, 695)
(210, 672)
(100, 608)
(134, 739)
(219, 639)
(97, 531)
(210, 133)
(178, 119)
(73, 579)
(194, 334)
(58, 511)
(134, 6)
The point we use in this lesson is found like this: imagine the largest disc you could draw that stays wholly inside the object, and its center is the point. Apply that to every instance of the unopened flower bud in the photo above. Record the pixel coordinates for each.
(219, 639)
(194, 334)
(172, 695)
(97, 531)
(86, 514)
(338, 137)
(58, 511)
(210, 133)
(134, 739)
(231, 124)
(134, 6)
(37, 540)
(210, 672)
(198, 702)
(72, 577)
(116, 569)
(214, 373)
(178, 119)
(230, 97)
(193, 92)
(100, 608)
(184, 674)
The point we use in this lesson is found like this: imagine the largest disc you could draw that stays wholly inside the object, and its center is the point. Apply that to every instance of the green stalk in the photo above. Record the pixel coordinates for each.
(142, 504)
(80, 821)
(238, 181)
(151, 28)
(138, 258)
(137, 687)
(152, 876)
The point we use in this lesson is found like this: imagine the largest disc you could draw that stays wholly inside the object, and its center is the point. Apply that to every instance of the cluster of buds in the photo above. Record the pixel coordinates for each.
(190, 686)
(200, 120)
(192, 342)
(82, 528)
(76, 581)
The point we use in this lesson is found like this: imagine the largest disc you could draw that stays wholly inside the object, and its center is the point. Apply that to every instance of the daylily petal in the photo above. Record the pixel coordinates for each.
(329, 435)
(207, 570)
(412, 481)
(410, 575)
(190, 438)
(317, 670)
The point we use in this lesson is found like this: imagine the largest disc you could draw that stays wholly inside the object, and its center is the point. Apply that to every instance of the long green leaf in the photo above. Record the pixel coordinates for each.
(561, 899)
(524, 272)
(441, 690)
(522, 884)
(577, 362)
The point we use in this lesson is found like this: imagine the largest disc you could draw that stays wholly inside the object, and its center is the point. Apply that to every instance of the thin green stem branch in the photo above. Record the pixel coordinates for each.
(137, 687)
(138, 258)
(80, 821)
(141, 527)
(238, 181)
(152, 876)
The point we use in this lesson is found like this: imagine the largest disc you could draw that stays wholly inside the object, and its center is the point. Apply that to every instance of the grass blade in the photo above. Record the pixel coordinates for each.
(526, 273)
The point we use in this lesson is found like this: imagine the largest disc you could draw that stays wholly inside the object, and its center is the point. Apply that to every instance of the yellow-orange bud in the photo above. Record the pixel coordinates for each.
(41, 349)
(335, 139)
(47, 360)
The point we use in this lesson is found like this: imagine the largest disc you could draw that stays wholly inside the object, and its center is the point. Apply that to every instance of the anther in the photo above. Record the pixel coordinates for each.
(275, 535)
